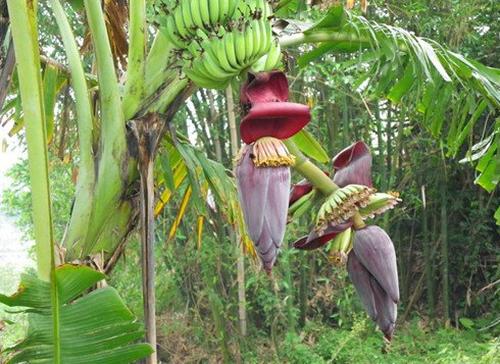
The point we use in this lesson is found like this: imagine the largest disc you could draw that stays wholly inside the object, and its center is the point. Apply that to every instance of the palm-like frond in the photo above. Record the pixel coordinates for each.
(207, 184)
(451, 93)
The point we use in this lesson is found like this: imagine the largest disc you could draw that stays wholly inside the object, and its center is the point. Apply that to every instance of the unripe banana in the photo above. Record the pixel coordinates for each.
(339, 248)
(379, 203)
(218, 47)
(172, 33)
(233, 5)
(223, 10)
(205, 12)
(179, 23)
(212, 65)
(199, 79)
(274, 56)
(185, 8)
(229, 49)
(249, 46)
(259, 39)
(214, 11)
(239, 47)
(196, 13)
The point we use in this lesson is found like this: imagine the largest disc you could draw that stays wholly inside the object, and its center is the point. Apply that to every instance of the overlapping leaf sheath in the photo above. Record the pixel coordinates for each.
(373, 270)
(263, 168)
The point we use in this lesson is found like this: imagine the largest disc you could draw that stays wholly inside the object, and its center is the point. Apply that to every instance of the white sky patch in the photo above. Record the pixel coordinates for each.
(14, 256)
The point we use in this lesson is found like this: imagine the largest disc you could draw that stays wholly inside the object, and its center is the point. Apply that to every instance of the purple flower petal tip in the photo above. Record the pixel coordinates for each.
(317, 239)
(280, 120)
(300, 189)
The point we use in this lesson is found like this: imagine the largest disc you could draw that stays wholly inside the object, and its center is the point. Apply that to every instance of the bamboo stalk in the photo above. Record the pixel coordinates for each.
(444, 249)
(427, 245)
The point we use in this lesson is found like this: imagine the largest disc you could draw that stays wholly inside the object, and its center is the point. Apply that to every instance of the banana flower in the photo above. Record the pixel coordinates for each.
(371, 259)
(372, 268)
(263, 165)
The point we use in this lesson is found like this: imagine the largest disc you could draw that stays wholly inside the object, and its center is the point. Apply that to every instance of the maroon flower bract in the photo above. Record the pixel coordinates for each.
(316, 239)
(264, 87)
(300, 189)
(280, 120)
(353, 165)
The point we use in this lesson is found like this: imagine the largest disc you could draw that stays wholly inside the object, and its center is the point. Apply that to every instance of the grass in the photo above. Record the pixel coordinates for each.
(318, 344)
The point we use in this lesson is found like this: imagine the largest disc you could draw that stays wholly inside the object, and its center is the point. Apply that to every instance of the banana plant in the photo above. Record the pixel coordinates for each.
(177, 47)
(66, 324)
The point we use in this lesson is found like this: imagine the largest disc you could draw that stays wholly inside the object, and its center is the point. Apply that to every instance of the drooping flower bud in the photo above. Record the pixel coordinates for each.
(263, 171)
(375, 250)
(373, 271)
(264, 194)
(375, 300)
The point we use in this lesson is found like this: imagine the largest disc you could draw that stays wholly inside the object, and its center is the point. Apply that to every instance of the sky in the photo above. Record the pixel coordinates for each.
(14, 257)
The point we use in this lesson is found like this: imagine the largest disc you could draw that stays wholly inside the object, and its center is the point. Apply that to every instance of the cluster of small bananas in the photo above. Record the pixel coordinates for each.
(221, 38)
(378, 203)
(340, 247)
(342, 204)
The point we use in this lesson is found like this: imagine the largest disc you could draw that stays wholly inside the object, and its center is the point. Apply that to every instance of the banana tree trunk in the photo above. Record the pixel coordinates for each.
(242, 310)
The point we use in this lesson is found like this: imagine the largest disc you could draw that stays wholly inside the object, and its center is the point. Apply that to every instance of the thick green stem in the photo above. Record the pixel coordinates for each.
(78, 226)
(113, 147)
(312, 173)
(157, 69)
(134, 87)
(322, 36)
(25, 37)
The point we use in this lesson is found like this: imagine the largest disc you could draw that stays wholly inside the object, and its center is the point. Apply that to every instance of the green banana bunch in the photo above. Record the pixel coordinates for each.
(188, 16)
(255, 8)
(222, 38)
(224, 56)
(303, 204)
(270, 61)
(340, 247)
(378, 203)
(343, 204)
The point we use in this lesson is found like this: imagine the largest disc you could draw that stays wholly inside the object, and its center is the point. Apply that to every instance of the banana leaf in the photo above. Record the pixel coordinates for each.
(84, 328)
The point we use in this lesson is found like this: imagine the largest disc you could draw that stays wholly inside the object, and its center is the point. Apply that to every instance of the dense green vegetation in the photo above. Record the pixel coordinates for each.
(445, 233)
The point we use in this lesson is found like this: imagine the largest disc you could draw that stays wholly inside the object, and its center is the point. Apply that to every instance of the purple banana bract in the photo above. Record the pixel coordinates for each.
(372, 269)
(264, 194)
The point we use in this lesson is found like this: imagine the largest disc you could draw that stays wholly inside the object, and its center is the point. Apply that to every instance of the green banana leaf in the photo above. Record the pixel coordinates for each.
(310, 146)
(85, 328)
